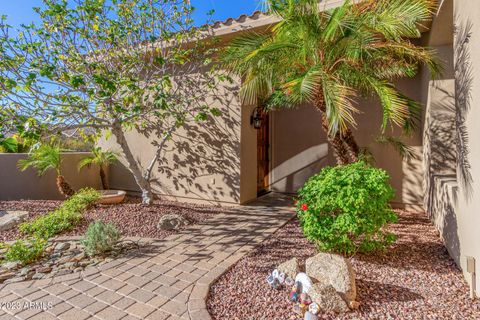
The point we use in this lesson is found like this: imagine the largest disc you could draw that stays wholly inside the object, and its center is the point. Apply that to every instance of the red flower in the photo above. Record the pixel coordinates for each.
(304, 207)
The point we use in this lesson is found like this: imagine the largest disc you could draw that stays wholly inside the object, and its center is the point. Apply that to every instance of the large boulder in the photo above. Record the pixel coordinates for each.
(9, 219)
(327, 297)
(291, 268)
(334, 270)
(172, 222)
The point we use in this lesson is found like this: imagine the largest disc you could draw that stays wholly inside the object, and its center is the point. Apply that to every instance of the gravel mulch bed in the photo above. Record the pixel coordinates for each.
(415, 279)
(131, 217)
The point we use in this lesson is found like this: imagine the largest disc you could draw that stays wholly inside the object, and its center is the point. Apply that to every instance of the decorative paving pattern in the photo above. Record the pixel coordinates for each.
(166, 279)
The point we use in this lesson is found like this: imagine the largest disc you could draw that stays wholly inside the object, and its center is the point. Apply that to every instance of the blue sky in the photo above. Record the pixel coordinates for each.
(19, 11)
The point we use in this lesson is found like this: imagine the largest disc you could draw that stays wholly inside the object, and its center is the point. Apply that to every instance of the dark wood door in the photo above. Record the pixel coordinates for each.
(263, 161)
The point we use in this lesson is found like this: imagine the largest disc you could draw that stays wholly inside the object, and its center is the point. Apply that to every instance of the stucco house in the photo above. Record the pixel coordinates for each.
(244, 153)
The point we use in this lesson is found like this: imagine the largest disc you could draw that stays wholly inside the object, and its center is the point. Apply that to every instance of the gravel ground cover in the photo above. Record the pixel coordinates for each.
(131, 217)
(414, 279)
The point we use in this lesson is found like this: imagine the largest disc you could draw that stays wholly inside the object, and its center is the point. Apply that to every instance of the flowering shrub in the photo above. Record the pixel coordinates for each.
(346, 208)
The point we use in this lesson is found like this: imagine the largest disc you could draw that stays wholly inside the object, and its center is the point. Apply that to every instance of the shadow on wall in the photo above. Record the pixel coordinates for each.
(203, 153)
(299, 147)
(463, 87)
(446, 144)
(201, 160)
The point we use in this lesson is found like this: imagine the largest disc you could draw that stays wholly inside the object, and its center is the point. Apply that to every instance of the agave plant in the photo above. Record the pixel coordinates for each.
(44, 158)
(102, 159)
(328, 58)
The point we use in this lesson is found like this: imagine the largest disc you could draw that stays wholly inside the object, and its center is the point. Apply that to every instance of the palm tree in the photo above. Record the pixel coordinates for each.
(102, 159)
(328, 58)
(44, 158)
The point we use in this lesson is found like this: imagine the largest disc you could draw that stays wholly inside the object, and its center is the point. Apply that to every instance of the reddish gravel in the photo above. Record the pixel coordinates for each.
(415, 279)
(131, 218)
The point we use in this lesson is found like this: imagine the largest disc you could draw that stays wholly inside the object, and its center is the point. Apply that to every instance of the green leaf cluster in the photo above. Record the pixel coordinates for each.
(44, 158)
(25, 251)
(64, 218)
(346, 208)
(100, 238)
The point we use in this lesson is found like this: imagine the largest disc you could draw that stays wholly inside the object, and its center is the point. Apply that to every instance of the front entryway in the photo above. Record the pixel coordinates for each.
(263, 156)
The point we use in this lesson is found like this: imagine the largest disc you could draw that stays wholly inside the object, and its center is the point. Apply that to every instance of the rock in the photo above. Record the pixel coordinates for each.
(172, 222)
(11, 265)
(14, 280)
(310, 316)
(62, 246)
(354, 305)
(63, 272)
(79, 257)
(24, 271)
(291, 268)
(9, 219)
(70, 265)
(334, 270)
(44, 269)
(306, 282)
(6, 275)
(84, 263)
(327, 298)
(38, 275)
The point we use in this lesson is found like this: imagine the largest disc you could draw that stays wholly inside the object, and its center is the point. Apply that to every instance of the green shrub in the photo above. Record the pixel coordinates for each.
(64, 218)
(100, 238)
(346, 208)
(25, 251)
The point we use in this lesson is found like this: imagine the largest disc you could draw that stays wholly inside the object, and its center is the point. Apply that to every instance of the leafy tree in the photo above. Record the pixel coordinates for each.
(111, 67)
(102, 159)
(16, 132)
(328, 58)
(45, 158)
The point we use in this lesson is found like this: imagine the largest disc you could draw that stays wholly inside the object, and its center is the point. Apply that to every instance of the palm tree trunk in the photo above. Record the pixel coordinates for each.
(339, 148)
(103, 178)
(345, 148)
(63, 187)
(352, 146)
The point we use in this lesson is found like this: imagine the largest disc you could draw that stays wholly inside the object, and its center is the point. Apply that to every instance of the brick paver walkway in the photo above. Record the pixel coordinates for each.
(167, 279)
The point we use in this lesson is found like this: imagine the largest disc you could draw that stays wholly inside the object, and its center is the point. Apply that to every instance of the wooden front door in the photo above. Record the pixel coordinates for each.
(263, 158)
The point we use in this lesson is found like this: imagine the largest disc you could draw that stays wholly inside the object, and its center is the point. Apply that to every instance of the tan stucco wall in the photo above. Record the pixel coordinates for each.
(468, 212)
(453, 205)
(299, 148)
(201, 163)
(17, 185)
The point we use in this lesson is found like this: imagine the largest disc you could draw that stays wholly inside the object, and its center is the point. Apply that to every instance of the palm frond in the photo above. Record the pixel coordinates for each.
(405, 151)
(339, 106)
(43, 158)
(397, 19)
(99, 157)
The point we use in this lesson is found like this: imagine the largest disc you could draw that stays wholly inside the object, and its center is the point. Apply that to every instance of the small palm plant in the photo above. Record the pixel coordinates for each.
(102, 159)
(44, 158)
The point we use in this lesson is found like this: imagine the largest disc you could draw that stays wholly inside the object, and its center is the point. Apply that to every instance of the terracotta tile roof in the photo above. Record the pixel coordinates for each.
(243, 22)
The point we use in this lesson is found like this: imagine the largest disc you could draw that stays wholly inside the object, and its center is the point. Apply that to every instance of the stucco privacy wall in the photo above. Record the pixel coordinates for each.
(452, 152)
(202, 160)
(468, 213)
(17, 185)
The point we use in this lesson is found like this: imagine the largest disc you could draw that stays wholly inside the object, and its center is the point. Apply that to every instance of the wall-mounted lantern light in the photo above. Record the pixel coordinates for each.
(256, 118)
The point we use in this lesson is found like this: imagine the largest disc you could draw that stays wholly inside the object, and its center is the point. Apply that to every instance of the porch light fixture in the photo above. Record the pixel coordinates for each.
(256, 118)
